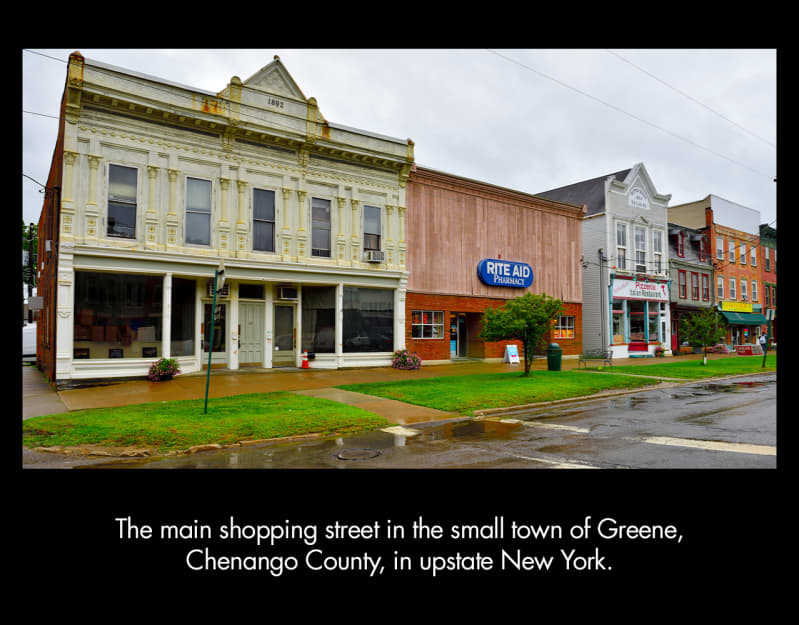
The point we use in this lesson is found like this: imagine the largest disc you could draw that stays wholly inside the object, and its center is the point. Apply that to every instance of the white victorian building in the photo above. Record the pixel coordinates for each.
(163, 184)
(625, 262)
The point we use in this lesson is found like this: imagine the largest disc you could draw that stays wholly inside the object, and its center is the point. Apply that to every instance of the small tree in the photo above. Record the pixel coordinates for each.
(703, 329)
(526, 318)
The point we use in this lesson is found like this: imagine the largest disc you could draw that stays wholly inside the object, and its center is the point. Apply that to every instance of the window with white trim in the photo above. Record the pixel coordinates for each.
(767, 259)
(719, 248)
(427, 324)
(121, 221)
(720, 287)
(743, 290)
(621, 245)
(754, 290)
(638, 199)
(732, 251)
(743, 254)
(371, 228)
(732, 288)
(753, 251)
(657, 250)
(198, 211)
(640, 249)
(263, 220)
(564, 328)
(705, 287)
(320, 227)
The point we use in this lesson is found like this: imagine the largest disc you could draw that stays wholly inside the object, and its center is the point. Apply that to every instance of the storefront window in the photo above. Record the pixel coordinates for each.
(319, 319)
(219, 327)
(368, 320)
(653, 322)
(637, 321)
(427, 324)
(117, 315)
(184, 305)
(564, 328)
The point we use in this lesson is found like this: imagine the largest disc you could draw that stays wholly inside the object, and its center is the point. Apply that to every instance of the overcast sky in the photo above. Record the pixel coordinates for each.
(493, 116)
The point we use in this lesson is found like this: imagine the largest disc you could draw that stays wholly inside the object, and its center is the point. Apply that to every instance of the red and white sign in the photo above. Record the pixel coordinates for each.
(636, 289)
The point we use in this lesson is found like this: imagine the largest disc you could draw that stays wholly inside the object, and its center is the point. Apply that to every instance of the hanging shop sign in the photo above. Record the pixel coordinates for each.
(736, 307)
(636, 289)
(505, 273)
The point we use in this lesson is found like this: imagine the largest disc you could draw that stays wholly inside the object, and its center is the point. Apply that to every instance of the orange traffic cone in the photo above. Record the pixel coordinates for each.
(305, 360)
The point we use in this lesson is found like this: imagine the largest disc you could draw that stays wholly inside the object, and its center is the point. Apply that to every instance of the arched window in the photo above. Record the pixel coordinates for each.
(638, 199)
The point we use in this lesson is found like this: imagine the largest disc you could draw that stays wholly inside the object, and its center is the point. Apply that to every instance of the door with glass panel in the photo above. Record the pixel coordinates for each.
(284, 350)
(251, 337)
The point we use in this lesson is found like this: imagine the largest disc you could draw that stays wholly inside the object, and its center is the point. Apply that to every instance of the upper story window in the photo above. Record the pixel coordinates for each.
(681, 282)
(122, 201)
(732, 251)
(198, 211)
(705, 287)
(681, 244)
(263, 220)
(694, 285)
(657, 250)
(743, 254)
(753, 250)
(732, 288)
(766, 258)
(638, 199)
(754, 290)
(719, 248)
(621, 245)
(640, 249)
(702, 249)
(743, 289)
(371, 228)
(320, 227)
(720, 287)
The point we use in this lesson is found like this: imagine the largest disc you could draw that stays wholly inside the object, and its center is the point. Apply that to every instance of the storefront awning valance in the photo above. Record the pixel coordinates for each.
(744, 319)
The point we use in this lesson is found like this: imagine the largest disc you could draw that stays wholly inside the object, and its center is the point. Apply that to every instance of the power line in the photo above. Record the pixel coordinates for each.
(41, 114)
(682, 93)
(640, 119)
(36, 181)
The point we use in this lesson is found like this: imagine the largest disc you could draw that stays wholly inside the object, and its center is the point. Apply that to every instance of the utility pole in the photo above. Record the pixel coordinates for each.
(219, 277)
(31, 270)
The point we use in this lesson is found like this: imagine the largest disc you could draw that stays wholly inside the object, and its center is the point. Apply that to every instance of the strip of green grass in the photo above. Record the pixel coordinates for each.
(694, 369)
(177, 425)
(466, 393)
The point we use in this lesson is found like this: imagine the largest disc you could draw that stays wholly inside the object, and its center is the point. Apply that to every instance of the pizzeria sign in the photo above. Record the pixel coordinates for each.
(636, 289)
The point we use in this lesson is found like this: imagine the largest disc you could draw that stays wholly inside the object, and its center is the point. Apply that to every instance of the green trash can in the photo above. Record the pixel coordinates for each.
(554, 354)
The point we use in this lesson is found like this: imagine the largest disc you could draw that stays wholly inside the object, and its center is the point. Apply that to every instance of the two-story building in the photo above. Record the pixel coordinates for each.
(768, 277)
(733, 233)
(625, 259)
(691, 275)
(155, 186)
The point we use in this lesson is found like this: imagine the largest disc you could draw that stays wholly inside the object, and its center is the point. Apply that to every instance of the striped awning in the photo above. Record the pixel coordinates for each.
(744, 319)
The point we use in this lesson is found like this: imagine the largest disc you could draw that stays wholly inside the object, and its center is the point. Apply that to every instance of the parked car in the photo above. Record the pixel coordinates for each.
(29, 339)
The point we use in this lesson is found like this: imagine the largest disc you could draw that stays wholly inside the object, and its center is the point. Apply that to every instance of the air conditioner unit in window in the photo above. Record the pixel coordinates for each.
(224, 292)
(373, 256)
(287, 293)
(743, 298)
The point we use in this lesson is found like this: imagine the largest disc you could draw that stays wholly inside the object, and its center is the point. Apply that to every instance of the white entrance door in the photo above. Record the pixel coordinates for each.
(251, 335)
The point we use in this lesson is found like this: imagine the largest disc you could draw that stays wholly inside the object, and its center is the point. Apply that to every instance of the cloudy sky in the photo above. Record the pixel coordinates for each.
(702, 121)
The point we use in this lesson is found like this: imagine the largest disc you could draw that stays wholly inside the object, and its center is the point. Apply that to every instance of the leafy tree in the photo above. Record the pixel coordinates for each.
(703, 329)
(526, 318)
(28, 275)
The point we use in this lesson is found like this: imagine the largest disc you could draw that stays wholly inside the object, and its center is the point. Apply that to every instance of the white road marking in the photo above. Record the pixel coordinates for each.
(744, 448)
(557, 463)
(551, 426)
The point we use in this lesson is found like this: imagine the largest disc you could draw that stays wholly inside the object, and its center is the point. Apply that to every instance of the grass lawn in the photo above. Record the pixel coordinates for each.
(694, 369)
(466, 393)
(176, 425)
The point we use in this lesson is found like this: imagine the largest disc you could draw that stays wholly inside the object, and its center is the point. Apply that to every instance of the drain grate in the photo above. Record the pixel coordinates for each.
(357, 454)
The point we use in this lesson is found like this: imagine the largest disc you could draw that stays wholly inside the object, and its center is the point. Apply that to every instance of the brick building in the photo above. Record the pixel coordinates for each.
(454, 224)
(768, 254)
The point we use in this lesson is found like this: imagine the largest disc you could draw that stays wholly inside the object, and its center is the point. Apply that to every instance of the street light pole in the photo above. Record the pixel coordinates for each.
(220, 272)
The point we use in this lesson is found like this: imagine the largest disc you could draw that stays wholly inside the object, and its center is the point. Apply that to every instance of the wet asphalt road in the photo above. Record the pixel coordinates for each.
(722, 424)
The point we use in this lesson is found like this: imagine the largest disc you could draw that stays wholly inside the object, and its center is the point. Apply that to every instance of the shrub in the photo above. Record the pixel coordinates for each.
(403, 359)
(163, 369)
(720, 348)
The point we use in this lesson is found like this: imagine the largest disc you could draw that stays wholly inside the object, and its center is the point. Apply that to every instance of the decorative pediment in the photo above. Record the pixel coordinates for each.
(274, 78)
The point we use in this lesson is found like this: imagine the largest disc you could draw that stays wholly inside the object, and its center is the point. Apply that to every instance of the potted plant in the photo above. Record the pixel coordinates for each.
(163, 369)
(659, 351)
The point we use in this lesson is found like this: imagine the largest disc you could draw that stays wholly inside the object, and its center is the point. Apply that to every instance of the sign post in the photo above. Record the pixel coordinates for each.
(219, 276)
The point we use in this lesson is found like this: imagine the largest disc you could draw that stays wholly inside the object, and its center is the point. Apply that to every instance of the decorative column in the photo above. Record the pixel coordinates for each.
(241, 224)
(172, 220)
(399, 314)
(341, 240)
(223, 227)
(151, 215)
(65, 312)
(402, 246)
(166, 317)
(92, 211)
(389, 241)
(356, 232)
(285, 238)
(67, 207)
(233, 333)
(302, 234)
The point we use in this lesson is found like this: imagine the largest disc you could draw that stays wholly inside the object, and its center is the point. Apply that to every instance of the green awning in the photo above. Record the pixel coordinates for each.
(744, 319)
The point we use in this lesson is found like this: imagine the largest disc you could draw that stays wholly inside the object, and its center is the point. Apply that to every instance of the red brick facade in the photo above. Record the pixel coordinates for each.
(439, 349)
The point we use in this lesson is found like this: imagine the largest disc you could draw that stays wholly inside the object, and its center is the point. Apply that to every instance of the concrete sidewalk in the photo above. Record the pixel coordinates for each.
(38, 397)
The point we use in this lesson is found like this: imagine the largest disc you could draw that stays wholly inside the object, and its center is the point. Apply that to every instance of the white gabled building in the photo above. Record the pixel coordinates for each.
(159, 184)
(625, 262)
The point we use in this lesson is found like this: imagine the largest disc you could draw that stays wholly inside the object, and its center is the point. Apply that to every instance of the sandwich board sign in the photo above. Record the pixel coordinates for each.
(512, 354)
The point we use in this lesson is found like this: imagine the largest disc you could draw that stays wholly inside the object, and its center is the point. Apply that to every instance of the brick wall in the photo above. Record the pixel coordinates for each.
(439, 349)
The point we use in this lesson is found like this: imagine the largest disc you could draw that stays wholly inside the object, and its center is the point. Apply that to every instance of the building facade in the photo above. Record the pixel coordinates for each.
(471, 246)
(733, 232)
(155, 186)
(691, 277)
(625, 259)
(768, 277)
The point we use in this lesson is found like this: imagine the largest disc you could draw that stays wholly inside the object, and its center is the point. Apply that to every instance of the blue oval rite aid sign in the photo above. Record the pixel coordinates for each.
(505, 273)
